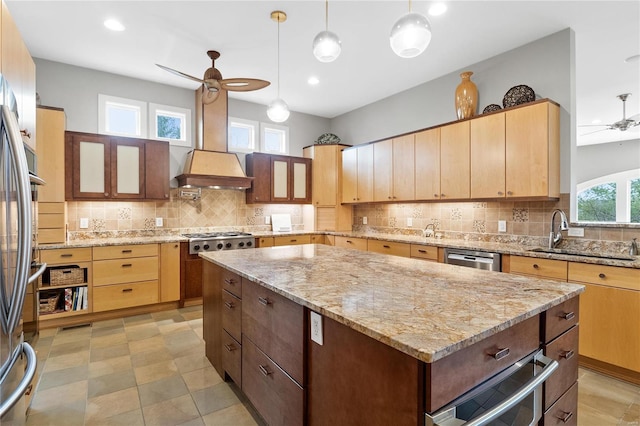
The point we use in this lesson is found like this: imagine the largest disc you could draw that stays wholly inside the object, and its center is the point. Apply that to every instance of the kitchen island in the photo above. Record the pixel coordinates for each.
(399, 337)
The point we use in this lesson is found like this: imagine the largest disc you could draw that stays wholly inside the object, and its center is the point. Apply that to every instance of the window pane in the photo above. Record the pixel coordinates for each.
(123, 119)
(169, 126)
(240, 137)
(635, 201)
(598, 203)
(273, 140)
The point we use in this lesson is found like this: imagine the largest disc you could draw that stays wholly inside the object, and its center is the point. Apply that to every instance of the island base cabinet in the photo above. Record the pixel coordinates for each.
(564, 412)
(232, 358)
(348, 363)
(563, 349)
(278, 399)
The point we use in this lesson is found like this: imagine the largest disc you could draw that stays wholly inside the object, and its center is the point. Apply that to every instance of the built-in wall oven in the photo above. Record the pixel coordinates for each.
(512, 397)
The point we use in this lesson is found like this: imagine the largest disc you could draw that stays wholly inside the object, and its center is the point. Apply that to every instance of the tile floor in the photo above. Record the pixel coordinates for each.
(151, 370)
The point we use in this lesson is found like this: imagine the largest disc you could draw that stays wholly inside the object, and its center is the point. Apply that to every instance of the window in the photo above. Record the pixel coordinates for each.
(611, 198)
(274, 139)
(169, 123)
(122, 117)
(242, 135)
(598, 203)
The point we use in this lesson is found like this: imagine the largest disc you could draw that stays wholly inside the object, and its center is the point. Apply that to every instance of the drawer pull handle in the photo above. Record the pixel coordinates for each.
(422, 251)
(293, 241)
(127, 290)
(568, 316)
(264, 370)
(127, 251)
(229, 305)
(349, 241)
(565, 416)
(230, 281)
(66, 255)
(230, 347)
(66, 271)
(501, 354)
(386, 246)
(535, 266)
(127, 265)
(264, 301)
(601, 275)
(567, 354)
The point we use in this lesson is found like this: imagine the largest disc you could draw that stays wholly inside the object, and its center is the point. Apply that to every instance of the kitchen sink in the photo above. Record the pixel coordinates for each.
(577, 253)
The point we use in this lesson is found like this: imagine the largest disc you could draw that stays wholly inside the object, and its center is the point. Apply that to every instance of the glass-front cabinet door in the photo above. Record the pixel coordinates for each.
(280, 178)
(301, 180)
(92, 174)
(127, 169)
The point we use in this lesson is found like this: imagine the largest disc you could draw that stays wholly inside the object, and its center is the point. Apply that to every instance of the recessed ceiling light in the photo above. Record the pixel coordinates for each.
(437, 9)
(313, 81)
(114, 25)
(632, 59)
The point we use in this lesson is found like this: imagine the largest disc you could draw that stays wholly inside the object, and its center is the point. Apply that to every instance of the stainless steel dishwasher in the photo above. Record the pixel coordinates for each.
(473, 259)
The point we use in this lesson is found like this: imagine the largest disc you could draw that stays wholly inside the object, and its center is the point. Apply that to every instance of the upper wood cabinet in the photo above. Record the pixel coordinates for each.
(455, 164)
(279, 179)
(50, 149)
(427, 164)
(488, 156)
(357, 171)
(110, 168)
(394, 169)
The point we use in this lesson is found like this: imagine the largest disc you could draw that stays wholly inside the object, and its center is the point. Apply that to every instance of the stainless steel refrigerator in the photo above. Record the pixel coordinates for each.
(17, 357)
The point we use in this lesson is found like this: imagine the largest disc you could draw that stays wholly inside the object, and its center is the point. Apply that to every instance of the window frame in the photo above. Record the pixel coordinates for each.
(623, 194)
(254, 125)
(103, 109)
(178, 112)
(284, 148)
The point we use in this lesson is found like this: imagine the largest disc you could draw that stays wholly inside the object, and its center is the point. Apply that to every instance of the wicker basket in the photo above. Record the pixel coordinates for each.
(49, 304)
(66, 276)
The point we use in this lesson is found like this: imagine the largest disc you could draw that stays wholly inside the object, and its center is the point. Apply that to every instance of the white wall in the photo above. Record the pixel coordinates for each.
(593, 161)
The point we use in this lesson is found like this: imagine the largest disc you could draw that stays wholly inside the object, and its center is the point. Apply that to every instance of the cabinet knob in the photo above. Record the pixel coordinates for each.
(442, 195)
(354, 199)
(435, 195)
(509, 193)
(601, 275)
(106, 194)
(389, 197)
(115, 194)
(535, 266)
(500, 193)
(166, 195)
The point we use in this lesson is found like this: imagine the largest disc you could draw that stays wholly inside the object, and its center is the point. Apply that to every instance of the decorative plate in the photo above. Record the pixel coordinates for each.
(491, 108)
(518, 95)
(327, 138)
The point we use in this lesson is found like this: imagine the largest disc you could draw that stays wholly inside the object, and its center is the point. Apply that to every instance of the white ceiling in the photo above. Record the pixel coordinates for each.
(178, 34)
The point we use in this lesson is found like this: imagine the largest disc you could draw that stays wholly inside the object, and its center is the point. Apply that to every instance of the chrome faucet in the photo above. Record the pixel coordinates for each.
(429, 232)
(556, 236)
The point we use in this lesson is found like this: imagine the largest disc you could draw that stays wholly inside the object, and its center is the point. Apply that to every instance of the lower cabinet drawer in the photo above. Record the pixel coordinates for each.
(232, 358)
(558, 319)
(565, 411)
(232, 283)
(424, 252)
(118, 296)
(564, 349)
(348, 242)
(541, 268)
(386, 247)
(277, 398)
(232, 314)
(116, 271)
(292, 240)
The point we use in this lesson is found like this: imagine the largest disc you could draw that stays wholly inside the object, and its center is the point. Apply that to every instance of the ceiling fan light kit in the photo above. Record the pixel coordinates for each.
(410, 35)
(278, 110)
(327, 45)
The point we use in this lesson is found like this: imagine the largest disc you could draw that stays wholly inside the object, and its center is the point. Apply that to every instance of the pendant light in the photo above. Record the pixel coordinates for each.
(410, 35)
(326, 45)
(278, 111)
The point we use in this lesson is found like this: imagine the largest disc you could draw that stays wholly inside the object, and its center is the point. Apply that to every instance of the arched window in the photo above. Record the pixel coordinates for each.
(612, 198)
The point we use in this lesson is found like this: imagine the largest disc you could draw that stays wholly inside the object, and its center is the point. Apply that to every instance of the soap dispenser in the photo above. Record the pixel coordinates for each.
(633, 250)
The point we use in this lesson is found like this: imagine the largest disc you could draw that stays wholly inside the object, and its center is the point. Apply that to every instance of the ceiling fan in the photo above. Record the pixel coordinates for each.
(622, 125)
(213, 80)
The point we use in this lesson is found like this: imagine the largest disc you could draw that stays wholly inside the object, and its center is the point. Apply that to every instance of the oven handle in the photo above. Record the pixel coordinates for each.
(550, 366)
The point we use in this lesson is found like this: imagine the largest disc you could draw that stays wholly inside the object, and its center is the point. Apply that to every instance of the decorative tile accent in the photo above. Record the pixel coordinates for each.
(456, 214)
(97, 225)
(124, 213)
(393, 221)
(520, 215)
(479, 205)
(479, 226)
(258, 211)
(251, 220)
(149, 223)
(416, 212)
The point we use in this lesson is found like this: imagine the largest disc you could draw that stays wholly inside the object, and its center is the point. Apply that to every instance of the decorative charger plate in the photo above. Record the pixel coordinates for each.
(327, 138)
(491, 108)
(518, 95)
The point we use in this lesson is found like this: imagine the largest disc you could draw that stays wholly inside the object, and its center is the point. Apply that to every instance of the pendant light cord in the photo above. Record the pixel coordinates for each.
(278, 58)
(326, 15)
(409, 6)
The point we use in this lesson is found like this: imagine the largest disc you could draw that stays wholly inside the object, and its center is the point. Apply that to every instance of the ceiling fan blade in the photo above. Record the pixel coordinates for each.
(595, 131)
(596, 125)
(243, 84)
(181, 74)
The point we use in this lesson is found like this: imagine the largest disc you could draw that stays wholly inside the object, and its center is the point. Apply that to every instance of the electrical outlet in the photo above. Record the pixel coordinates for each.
(502, 226)
(267, 220)
(409, 221)
(158, 221)
(575, 232)
(84, 223)
(364, 220)
(316, 327)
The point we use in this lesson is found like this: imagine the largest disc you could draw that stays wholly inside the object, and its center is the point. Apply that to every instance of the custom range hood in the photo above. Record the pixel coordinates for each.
(210, 165)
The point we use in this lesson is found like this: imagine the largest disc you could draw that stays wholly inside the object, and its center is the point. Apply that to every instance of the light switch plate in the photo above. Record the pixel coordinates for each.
(575, 232)
(409, 221)
(364, 220)
(316, 327)
(267, 220)
(502, 226)
(84, 223)
(158, 221)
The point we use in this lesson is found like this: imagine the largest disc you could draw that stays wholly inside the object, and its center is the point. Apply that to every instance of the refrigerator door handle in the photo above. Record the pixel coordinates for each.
(36, 275)
(30, 370)
(36, 180)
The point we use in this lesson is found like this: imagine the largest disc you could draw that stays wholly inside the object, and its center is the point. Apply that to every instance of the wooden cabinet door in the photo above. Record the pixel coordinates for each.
(382, 171)
(488, 157)
(609, 330)
(169, 272)
(88, 166)
(427, 165)
(300, 179)
(365, 173)
(280, 179)
(259, 166)
(127, 168)
(350, 175)
(404, 172)
(28, 108)
(324, 174)
(156, 170)
(532, 151)
(50, 150)
(455, 164)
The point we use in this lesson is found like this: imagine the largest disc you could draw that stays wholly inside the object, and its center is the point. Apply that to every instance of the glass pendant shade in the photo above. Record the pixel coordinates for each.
(410, 35)
(278, 111)
(326, 46)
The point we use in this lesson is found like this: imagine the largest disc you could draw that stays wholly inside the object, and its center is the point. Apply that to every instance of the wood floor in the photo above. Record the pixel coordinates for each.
(151, 370)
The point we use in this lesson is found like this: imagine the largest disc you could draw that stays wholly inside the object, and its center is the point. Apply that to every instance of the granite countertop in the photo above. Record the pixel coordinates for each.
(424, 309)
